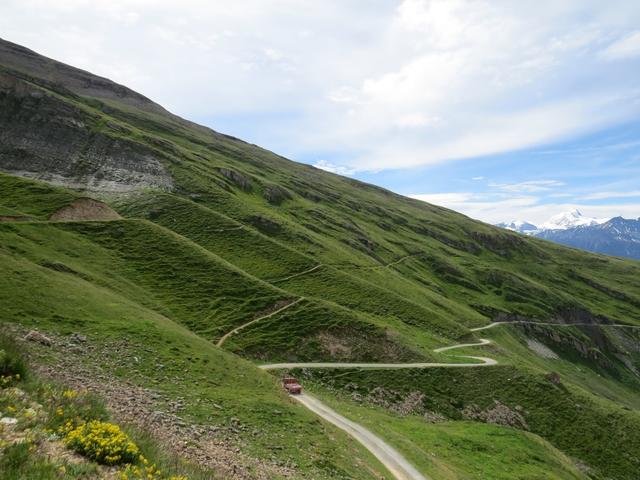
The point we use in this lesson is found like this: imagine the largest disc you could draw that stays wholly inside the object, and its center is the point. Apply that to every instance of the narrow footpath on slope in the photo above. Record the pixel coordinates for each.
(320, 265)
(295, 275)
(550, 324)
(264, 317)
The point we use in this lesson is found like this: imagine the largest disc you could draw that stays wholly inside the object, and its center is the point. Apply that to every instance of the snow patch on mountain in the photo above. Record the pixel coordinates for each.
(519, 226)
(570, 219)
(562, 221)
(616, 236)
(619, 237)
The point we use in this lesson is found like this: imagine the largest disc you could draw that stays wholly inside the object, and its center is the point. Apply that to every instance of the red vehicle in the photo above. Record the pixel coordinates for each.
(291, 385)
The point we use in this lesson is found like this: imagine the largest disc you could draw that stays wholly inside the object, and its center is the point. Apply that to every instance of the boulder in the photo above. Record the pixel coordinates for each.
(35, 336)
(78, 338)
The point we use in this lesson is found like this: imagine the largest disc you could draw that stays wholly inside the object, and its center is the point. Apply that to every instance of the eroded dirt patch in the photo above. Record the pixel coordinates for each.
(352, 344)
(86, 209)
(541, 349)
(14, 218)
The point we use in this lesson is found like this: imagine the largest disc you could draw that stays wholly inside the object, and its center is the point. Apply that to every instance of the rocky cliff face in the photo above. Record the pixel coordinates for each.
(590, 339)
(47, 133)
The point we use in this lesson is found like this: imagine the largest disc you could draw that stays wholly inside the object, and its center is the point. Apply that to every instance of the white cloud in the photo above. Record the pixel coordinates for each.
(344, 95)
(477, 179)
(528, 187)
(496, 77)
(483, 207)
(607, 195)
(445, 198)
(415, 120)
(333, 168)
(385, 84)
(624, 48)
(530, 208)
(273, 54)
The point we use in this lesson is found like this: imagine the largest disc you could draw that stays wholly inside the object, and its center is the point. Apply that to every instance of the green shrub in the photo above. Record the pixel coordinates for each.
(15, 457)
(11, 360)
(21, 461)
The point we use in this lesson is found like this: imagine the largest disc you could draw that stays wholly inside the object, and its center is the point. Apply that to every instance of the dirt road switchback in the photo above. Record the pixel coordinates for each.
(393, 460)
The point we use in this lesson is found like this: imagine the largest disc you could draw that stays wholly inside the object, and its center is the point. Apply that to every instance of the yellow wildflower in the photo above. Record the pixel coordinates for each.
(69, 394)
(103, 442)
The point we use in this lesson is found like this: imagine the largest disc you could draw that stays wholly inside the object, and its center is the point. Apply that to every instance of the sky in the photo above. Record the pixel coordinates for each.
(499, 109)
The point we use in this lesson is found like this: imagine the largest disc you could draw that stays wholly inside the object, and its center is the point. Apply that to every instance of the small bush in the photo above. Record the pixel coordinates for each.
(102, 442)
(9, 381)
(21, 461)
(15, 457)
(11, 360)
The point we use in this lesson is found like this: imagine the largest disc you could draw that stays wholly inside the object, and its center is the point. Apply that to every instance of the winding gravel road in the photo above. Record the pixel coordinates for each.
(481, 361)
(393, 460)
(550, 324)
(484, 362)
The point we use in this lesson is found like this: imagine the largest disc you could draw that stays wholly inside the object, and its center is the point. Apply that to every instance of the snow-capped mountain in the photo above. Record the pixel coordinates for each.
(562, 221)
(519, 226)
(570, 219)
(618, 236)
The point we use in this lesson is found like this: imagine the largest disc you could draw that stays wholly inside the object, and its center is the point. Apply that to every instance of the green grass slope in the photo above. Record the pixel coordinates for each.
(587, 357)
(186, 283)
(31, 199)
(284, 267)
(36, 292)
(100, 278)
(462, 266)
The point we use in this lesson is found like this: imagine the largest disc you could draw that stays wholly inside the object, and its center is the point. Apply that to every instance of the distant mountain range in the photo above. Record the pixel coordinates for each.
(562, 221)
(616, 236)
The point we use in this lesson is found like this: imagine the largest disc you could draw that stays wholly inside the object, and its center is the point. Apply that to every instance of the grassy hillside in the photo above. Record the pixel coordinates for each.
(460, 270)
(97, 278)
(182, 282)
(219, 389)
(31, 199)
(219, 234)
